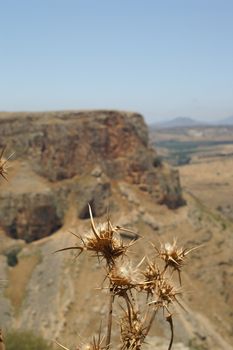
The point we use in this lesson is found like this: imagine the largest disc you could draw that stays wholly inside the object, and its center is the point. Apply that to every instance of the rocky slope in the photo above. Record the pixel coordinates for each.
(75, 153)
(108, 164)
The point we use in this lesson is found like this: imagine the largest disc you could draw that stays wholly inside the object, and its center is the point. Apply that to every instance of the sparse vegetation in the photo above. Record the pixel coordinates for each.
(25, 340)
(180, 152)
(157, 161)
(12, 257)
(195, 346)
(18, 278)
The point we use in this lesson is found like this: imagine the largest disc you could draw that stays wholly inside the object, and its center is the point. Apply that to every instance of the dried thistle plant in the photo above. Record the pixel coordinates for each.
(152, 275)
(165, 295)
(3, 164)
(104, 241)
(132, 329)
(127, 283)
(173, 256)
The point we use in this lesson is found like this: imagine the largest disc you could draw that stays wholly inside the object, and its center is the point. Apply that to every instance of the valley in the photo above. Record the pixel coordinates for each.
(183, 145)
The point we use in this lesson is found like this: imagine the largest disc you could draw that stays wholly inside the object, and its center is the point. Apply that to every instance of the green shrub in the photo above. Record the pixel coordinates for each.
(12, 258)
(25, 340)
(157, 161)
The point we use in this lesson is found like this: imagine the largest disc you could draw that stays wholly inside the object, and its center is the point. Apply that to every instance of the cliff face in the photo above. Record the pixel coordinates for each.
(63, 145)
(80, 153)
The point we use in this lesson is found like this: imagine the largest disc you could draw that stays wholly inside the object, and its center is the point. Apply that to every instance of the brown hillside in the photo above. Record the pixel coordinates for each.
(62, 162)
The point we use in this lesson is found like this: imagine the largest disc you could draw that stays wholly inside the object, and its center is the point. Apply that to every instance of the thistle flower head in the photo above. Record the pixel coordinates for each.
(166, 294)
(152, 275)
(123, 277)
(103, 240)
(132, 331)
(173, 256)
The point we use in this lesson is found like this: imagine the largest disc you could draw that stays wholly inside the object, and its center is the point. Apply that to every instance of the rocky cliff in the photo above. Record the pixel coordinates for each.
(78, 154)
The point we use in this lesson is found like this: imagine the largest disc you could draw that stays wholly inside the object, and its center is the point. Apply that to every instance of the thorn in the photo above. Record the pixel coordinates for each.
(68, 248)
(194, 248)
(63, 347)
(92, 223)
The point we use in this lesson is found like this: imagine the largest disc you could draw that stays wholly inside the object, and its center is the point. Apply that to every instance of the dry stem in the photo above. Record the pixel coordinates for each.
(170, 321)
(109, 326)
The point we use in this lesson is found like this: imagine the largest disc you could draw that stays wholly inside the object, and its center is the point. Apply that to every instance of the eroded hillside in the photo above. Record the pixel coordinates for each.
(63, 162)
(78, 155)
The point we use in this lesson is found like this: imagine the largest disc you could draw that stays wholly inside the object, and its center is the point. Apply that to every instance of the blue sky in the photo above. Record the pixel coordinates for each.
(161, 58)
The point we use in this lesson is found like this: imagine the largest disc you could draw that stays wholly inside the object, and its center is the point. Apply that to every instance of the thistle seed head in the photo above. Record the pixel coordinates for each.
(166, 294)
(132, 331)
(152, 275)
(123, 277)
(104, 241)
(173, 256)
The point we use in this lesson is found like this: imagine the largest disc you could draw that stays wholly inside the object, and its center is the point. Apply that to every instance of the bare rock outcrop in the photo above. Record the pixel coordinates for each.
(81, 153)
(29, 216)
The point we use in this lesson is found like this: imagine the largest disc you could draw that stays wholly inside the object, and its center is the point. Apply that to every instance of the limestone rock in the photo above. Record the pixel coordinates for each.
(96, 193)
(78, 153)
(29, 216)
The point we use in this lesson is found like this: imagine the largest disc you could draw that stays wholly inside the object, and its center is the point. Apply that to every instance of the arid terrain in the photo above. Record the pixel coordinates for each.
(206, 172)
(65, 161)
(183, 145)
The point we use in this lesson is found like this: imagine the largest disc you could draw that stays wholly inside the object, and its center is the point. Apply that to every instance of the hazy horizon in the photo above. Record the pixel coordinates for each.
(161, 59)
(148, 119)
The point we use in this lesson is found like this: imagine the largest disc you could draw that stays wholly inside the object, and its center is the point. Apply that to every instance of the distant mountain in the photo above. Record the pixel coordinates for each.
(178, 122)
(226, 121)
